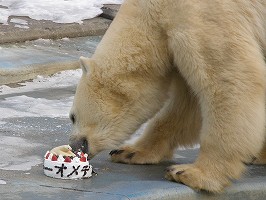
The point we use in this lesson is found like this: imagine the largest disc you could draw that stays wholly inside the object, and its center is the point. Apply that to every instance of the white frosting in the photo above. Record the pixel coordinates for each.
(66, 170)
(60, 158)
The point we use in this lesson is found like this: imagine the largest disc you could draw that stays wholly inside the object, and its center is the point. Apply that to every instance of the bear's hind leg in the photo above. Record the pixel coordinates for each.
(177, 124)
(232, 100)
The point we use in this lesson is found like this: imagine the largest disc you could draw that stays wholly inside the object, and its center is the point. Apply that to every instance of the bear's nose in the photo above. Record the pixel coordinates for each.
(79, 144)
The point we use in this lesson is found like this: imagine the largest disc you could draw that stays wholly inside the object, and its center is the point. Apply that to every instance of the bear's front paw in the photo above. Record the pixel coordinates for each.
(195, 178)
(131, 155)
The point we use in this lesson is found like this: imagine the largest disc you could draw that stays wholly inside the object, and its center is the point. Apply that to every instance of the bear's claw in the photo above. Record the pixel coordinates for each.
(179, 172)
(128, 155)
(121, 155)
(135, 155)
(116, 151)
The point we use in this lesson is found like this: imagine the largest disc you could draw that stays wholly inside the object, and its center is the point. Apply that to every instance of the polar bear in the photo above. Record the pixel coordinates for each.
(195, 70)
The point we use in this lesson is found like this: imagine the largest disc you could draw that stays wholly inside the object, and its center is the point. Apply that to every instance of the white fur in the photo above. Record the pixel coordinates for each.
(196, 69)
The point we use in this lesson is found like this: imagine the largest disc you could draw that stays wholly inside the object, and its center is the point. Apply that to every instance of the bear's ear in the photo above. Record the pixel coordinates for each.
(85, 64)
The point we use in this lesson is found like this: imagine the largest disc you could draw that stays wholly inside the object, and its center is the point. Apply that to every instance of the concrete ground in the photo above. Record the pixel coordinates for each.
(25, 139)
(30, 137)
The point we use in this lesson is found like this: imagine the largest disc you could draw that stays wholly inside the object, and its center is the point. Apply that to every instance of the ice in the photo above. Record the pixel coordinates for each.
(60, 11)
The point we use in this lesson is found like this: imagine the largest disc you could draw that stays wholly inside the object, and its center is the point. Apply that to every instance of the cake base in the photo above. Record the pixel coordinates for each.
(63, 170)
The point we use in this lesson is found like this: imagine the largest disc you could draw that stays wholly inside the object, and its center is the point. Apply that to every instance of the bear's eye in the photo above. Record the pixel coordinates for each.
(73, 118)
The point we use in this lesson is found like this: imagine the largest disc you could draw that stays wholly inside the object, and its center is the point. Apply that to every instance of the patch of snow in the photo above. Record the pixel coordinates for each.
(21, 26)
(2, 182)
(13, 151)
(61, 79)
(24, 106)
(41, 41)
(177, 156)
(196, 146)
(65, 39)
(19, 21)
(60, 11)
(22, 164)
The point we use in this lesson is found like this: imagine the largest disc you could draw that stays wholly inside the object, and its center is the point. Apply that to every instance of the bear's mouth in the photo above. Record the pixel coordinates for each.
(80, 144)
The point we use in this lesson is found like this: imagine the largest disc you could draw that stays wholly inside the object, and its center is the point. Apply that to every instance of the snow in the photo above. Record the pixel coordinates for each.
(21, 26)
(61, 79)
(15, 149)
(2, 182)
(60, 11)
(19, 21)
(24, 106)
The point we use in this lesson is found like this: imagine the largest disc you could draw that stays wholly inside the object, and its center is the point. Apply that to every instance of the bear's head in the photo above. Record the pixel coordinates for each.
(108, 106)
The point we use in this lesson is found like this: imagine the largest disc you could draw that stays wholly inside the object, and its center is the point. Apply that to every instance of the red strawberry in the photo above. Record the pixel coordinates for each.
(54, 158)
(83, 159)
(67, 159)
(47, 155)
(81, 154)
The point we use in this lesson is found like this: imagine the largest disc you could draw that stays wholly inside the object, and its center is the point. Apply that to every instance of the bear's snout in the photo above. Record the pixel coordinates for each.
(79, 144)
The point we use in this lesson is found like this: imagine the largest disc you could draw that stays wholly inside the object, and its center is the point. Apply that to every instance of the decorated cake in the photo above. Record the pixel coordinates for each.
(62, 163)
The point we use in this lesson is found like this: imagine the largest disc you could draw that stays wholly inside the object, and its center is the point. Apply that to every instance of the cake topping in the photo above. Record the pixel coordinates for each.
(54, 158)
(64, 150)
(83, 159)
(76, 159)
(64, 154)
(47, 154)
(60, 158)
(67, 159)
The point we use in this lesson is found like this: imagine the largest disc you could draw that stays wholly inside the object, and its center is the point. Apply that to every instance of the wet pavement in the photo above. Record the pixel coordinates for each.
(24, 141)
(25, 61)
